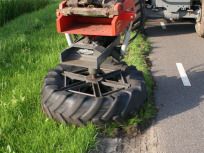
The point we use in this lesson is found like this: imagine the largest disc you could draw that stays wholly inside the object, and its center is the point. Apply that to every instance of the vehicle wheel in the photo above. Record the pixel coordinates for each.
(139, 21)
(73, 108)
(200, 21)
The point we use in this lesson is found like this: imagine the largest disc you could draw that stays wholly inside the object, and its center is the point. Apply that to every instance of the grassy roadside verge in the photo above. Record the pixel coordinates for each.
(27, 51)
(137, 54)
(10, 9)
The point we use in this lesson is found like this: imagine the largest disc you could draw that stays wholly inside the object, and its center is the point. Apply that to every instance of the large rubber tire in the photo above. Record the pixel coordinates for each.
(200, 24)
(138, 24)
(79, 109)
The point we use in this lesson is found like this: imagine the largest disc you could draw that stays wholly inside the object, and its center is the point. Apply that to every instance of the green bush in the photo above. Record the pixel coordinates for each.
(10, 9)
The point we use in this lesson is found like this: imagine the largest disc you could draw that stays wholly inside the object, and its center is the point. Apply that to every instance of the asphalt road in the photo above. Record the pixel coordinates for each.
(179, 126)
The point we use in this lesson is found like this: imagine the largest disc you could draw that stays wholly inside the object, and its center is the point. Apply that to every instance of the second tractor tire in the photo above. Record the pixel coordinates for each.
(200, 23)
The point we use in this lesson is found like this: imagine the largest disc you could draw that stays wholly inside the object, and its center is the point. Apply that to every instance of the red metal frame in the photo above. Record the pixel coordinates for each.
(98, 26)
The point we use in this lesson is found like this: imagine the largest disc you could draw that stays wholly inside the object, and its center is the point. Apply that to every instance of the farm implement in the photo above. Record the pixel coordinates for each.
(92, 83)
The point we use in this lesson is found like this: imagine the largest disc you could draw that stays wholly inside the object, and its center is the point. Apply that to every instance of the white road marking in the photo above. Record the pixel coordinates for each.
(163, 25)
(183, 75)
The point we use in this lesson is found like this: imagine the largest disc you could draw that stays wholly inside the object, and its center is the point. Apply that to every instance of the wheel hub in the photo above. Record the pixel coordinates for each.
(98, 85)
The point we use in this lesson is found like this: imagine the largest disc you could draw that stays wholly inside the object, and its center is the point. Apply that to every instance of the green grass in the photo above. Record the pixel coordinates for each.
(10, 9)
(27, 51)
(137, 54)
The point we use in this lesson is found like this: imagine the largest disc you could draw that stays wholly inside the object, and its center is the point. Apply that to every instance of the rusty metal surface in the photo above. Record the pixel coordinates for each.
(92, 11)
(90, 3)
(95, 82)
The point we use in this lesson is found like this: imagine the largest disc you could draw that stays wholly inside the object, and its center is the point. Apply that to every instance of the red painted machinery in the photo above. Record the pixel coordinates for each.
(109, 21)
(92, 84)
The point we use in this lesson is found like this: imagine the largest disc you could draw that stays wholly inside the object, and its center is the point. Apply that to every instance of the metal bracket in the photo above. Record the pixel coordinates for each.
(94, 82)
(73, 55)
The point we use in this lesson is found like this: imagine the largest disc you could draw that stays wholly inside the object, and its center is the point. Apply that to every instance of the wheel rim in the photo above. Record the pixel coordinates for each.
(96, 86)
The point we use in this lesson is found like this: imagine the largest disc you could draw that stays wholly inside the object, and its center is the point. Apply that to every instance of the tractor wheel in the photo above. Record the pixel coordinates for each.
(200, 21)
(72, 108)
(140, 18)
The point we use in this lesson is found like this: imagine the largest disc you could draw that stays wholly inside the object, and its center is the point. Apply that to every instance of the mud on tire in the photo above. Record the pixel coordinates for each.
(67, 107)
(200, 22)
